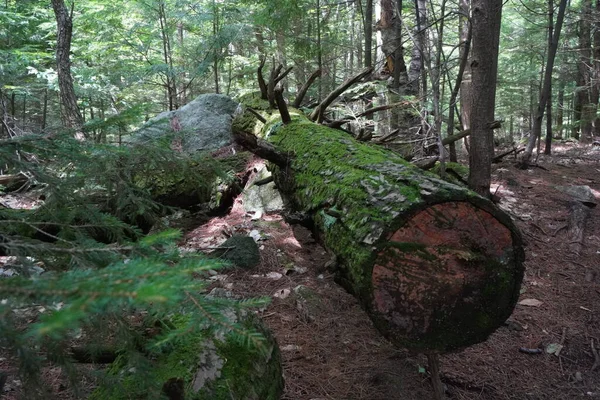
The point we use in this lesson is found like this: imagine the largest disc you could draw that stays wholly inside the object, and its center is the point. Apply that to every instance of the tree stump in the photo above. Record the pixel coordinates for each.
(436, 266)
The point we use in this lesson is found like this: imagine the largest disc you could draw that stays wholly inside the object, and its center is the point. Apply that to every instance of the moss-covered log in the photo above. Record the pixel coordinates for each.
(436, 266)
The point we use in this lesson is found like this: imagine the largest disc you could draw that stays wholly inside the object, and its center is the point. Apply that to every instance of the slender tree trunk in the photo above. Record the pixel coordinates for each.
(458, 86)
(466, 93)
(595, 89)
(368, 27)
(400, 72)
(584, 83)
(70, 114)
(45, 111)
(320, 49)
(486, 19)
(416, 81)
(168, 57)
(548, 147)
(216, 50)
(545, 92)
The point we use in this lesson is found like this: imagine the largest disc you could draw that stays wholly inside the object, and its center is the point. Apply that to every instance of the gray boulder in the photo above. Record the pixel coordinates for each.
(204, 123)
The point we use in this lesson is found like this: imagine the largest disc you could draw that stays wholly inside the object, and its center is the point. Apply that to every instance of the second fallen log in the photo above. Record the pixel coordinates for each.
(436, 266)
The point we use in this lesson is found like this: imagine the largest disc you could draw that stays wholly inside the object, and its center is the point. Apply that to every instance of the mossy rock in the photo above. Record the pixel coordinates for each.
(241, 251)
(201, 366)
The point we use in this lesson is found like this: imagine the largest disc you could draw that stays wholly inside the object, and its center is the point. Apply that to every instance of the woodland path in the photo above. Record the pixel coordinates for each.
(331, 350)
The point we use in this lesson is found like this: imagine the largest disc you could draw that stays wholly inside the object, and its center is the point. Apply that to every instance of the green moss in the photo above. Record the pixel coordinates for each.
(248, 372)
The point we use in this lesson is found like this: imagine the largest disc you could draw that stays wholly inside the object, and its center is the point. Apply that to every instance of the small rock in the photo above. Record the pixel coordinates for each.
(291, 347)
(241, 251)
(282, 294)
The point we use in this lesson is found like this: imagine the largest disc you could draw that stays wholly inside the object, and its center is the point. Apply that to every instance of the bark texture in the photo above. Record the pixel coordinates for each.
(486, 16)
(436, 266)
(70, 114)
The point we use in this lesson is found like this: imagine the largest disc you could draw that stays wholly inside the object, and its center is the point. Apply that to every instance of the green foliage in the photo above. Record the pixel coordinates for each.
(85, 273)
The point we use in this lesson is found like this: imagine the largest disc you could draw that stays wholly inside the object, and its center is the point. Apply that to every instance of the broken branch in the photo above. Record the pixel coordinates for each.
(319, 111)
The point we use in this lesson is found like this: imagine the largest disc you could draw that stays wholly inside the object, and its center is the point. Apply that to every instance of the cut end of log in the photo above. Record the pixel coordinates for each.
(447, 279)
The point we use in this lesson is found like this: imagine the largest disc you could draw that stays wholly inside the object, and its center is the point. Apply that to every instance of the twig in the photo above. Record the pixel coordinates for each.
(539, 227)
(596, 356)
(560, 228)
(562, 342)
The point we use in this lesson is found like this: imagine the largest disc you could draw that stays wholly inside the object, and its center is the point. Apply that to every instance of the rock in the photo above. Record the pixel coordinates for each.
(308, 302)
(581, 193)
(242, 251)
(205, 124)
(203, 366)
(262, 199)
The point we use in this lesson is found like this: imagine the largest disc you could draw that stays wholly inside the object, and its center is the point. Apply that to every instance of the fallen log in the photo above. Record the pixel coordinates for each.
(436, 266)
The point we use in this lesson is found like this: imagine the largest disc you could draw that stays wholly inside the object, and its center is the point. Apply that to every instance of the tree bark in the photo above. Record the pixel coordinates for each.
(436, 267)
(484, 66)
(70, 114)
(548, 147)
(368, 27)
(464, 58)
(545, 92)
(417, 83)
(465, 85)
(584, 83)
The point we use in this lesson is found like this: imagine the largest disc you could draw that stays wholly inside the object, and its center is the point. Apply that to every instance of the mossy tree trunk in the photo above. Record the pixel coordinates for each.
(436, 266)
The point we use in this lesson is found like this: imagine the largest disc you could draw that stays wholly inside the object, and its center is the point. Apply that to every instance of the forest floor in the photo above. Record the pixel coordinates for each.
(332, 351)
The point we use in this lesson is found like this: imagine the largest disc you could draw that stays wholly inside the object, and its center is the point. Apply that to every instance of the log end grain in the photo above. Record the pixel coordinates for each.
(446, 279)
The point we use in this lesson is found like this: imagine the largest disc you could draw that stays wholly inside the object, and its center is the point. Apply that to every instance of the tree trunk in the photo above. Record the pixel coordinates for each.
(584, 84)
(70, 114)
(595, 89)
(560, 104)
(548, 147)
(368, 27)
(390, 27)
(417, 83)
(545, 92)
(465, 47)
(436, 267)
(484, 66)
(465, 86)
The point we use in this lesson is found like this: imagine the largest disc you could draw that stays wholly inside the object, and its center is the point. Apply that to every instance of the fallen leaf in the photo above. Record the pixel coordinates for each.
(554, 348)
(531, 302)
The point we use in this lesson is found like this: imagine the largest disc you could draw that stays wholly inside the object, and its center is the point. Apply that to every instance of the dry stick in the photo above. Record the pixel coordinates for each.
(370, 111)
(305, 87)
(500, 156)
(434, 370)
(562, 341)
(319, 111)
(285, 73)
(261, 80)
(257, 115)
(283, 110)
